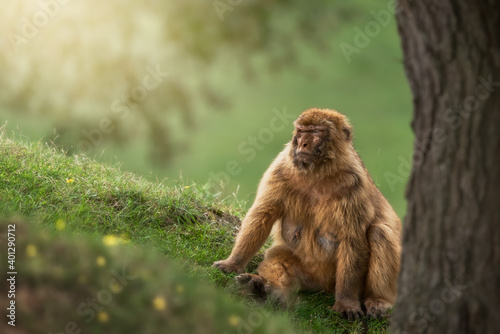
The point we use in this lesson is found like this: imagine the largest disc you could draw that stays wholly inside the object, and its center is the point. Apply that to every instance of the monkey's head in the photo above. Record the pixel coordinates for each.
(321, 136)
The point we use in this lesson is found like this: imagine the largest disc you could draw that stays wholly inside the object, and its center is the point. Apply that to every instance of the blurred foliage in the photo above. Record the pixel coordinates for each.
(80, 63)
(70, 285)
(75, 81)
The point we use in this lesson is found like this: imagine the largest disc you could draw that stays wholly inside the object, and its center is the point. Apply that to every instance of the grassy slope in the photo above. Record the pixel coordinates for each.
(183, 222)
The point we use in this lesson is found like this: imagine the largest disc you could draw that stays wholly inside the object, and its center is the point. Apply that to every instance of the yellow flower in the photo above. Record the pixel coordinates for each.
(31, 250)
(186, 187)
(60, 225)
(234, 320)
(180, 288)
(110, 240)
(115, 287)
(101, 261)
(159, 303)
(70, 180)
(103, 316)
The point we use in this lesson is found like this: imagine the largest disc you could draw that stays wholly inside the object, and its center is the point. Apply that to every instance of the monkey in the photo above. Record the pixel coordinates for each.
(332, 228)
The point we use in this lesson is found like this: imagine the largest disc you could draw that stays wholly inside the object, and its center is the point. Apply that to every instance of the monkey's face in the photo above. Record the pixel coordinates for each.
(321, 136)
(309, 146)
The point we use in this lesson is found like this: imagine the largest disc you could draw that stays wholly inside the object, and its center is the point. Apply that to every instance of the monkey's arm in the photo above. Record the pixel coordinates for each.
(255, 229)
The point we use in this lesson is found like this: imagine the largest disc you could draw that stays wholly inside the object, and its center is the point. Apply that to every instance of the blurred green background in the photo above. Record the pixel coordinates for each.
(66, 69)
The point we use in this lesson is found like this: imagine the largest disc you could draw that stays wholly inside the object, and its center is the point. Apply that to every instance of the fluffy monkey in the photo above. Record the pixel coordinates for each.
(332, 228)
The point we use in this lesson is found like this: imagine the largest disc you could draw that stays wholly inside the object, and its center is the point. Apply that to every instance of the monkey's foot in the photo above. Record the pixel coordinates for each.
(350, 309)
(377, 308)
(257, 285)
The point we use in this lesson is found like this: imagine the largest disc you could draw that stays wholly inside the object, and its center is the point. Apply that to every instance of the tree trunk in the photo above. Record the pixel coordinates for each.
(450, 274)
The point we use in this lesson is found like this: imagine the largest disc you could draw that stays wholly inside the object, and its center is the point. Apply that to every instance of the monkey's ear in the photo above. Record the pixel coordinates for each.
(347, 133)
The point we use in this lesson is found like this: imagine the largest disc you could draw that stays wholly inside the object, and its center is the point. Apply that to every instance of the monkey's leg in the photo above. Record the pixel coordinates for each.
(280, 275)
(383, 269)
(350, 278)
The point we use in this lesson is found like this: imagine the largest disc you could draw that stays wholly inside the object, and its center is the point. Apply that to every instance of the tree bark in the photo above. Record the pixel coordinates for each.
(450, 274)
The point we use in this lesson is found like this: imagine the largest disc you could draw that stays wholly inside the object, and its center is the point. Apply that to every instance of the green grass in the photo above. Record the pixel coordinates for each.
(181, 221)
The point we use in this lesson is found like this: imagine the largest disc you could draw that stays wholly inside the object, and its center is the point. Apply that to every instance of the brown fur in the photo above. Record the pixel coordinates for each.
(333, 229)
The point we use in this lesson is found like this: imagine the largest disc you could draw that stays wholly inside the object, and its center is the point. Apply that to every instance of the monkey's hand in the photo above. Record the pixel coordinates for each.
(350, 309)
(228, 266)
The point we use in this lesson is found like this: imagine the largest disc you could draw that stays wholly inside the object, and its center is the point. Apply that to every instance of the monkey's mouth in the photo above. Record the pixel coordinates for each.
(303, 156)
(309, 155)
(302, 153)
